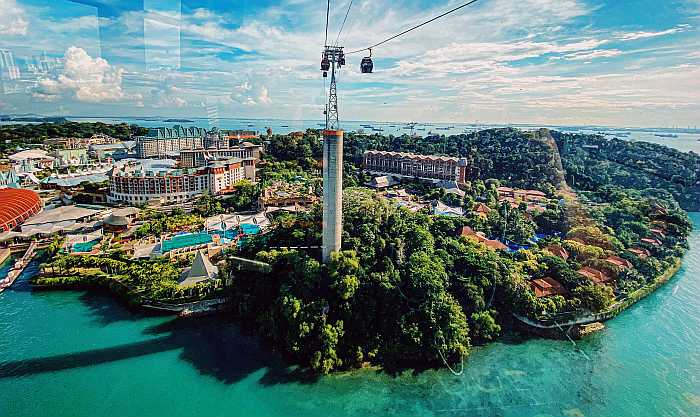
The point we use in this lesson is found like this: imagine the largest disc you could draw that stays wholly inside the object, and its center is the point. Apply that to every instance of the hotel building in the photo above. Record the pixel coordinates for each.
(191, 158)
(139, 183)
(163, 141)
(409, 165)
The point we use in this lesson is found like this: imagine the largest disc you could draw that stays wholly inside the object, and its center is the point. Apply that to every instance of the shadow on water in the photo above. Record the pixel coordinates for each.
(106, 312)
(212, 345)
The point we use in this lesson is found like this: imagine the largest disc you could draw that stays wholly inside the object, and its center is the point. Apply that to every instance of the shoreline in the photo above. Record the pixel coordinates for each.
(124, 294)
(550, 327)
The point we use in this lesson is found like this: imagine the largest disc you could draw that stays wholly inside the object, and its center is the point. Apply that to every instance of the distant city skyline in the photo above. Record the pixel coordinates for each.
(556, 62)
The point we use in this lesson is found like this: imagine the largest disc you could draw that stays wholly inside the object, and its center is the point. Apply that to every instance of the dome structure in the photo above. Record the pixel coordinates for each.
(16, 206)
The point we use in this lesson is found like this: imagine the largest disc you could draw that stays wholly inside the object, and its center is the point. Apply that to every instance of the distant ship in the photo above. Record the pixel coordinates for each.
(284, 126)
(664, 135)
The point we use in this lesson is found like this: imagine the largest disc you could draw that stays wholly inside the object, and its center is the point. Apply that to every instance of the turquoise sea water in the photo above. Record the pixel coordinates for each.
(77, 354)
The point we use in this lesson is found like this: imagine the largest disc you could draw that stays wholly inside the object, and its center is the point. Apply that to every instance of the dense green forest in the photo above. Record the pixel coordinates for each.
(14, 135)
(408, 290)
(593, 161)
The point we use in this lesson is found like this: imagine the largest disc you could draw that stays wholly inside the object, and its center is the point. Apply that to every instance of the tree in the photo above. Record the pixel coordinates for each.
(208, 206)
(483, 326)
(595, 298)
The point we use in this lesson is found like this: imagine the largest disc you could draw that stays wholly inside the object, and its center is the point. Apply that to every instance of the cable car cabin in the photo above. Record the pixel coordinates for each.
(325, 63)
(366, 66)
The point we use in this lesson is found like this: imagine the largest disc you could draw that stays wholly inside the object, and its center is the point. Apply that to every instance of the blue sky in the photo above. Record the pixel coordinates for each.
(606, 62)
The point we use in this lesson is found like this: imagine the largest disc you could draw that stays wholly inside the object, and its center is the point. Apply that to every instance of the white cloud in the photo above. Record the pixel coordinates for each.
(264, 96)
(633, 36)
(85, 79)
(588, 55)
(13, 19)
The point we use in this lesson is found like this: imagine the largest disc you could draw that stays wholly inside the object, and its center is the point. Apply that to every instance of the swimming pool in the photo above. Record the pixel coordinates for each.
(186, 240)
(85, 246)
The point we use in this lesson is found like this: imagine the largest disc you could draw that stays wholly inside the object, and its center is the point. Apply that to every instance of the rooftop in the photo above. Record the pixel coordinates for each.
(61, 214)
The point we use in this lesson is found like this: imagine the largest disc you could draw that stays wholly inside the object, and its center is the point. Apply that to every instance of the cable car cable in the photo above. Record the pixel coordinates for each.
(328, 10)
(343, 24)
(413, 28)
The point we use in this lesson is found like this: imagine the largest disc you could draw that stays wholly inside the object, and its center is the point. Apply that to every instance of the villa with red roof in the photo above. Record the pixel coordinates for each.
(595, 275)
(545, 287)
(619, 262)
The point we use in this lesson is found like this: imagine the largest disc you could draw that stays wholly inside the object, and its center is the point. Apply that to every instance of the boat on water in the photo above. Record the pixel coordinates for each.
(284, 126)
(664, 135)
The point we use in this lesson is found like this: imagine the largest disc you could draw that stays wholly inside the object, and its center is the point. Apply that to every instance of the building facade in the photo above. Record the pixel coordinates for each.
(216, 138)
(191, 158)
(164, 141)
(134, 183)
(403, 164)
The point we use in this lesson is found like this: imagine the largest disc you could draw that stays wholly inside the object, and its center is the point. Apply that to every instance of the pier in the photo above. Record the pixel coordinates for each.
(19, 266)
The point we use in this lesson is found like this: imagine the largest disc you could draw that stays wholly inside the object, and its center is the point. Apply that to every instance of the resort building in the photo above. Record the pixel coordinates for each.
(441, 209)
(641, 253)
(546, 287)
(138, 182)
(618, 262)
(558, 251)
(223, 139)
(481, 210)
(76, 143)
(281, 193)
(536, 201)
(595, 275)
(116, 151)
(63, 220)
(426, 167)
(31, 160)
(166, 142)
(468, 232)
(193, 158)
(9, 178)
(70, 156)
(163, 141)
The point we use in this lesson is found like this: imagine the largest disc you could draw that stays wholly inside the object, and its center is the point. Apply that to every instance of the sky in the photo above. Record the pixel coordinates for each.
(559, 62)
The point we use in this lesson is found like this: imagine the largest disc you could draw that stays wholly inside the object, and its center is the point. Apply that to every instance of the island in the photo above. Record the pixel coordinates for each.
(530, 231)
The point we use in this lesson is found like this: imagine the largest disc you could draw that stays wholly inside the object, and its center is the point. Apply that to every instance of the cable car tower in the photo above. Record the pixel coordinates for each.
(333, 56)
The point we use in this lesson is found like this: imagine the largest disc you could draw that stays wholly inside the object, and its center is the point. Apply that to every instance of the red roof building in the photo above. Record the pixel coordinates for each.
(595, 275)
(16, 206)
(482, 210)
(641, 253)
(545, 287)
(480, 237)
(619, 262)
(651, 241)
(558, 251)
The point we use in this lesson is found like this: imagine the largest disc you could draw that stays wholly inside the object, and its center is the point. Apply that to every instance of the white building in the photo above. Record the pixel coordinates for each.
(140, 182)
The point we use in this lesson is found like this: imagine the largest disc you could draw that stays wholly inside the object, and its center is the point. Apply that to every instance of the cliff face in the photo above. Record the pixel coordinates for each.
(522, 159)
(545, 137)
(591, 162)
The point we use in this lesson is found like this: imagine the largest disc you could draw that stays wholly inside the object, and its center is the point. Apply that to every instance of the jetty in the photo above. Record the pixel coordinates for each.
(18, 267)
